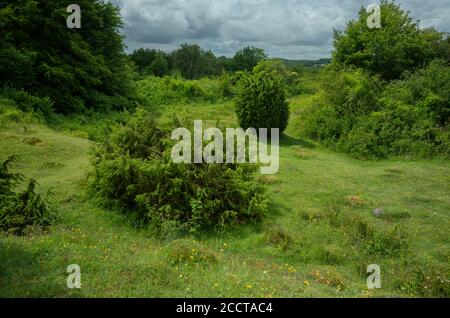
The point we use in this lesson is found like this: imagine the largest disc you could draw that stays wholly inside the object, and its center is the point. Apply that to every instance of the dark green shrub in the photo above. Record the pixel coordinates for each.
(8, 179)
(74, 69)
(352, 92)
(247, 58)
(261, 101)
(23, 209)
(133, 171)
(159, 67)
(319, 122)
(360, 116)
(428, 89)
(347, 96)
(29, 103)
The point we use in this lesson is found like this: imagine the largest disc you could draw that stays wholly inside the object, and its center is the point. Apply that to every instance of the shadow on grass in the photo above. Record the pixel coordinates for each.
(288, 141)
(23, 274)
(242, 231)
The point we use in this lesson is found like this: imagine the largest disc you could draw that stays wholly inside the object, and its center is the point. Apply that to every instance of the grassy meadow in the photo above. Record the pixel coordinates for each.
(316, 240)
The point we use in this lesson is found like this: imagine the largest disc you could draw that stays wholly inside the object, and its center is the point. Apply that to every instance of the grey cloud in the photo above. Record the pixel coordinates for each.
(284, 28)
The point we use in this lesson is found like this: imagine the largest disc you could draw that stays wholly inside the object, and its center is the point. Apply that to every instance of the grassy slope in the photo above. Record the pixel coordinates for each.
(307, 245)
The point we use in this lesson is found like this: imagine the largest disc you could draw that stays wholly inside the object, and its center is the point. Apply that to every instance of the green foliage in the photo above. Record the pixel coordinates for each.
(424, 281)
(11, 115)
(277, 236)
(364, 116)
(29, 103)
(151, 62)
(92, 125)
(303, 82)
(428, 89)
(133, 171)
(8, 179)
(369, 119)
(261, 101)
(159, 66)
(227, 86)
(167, 90)
(247, 58)
(19, 210)
(277, 66)
(193, 62)
(398, 46)
(247, 255)
(75, 68)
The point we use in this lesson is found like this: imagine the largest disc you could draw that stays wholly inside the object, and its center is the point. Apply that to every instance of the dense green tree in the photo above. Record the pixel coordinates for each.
(193, 62)
(77, 68)
(143, 58)
(439, 47)
(261, 101)
(187, 60)
(273, 65)
(398, 46)
(151, 62)
(159, 66)
(226, 64)
(247, 58)
(212, 66)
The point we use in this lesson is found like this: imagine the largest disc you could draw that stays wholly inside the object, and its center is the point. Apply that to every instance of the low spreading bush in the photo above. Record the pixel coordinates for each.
(133, 171)
(20, 210)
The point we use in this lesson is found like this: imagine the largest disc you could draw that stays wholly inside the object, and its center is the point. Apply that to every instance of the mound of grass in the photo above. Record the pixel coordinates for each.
(277, 236)
(329, 277)
(32, 141)
(189, 252)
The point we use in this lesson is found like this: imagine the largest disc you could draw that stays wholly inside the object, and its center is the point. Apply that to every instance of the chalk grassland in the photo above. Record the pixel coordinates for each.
(316, 241)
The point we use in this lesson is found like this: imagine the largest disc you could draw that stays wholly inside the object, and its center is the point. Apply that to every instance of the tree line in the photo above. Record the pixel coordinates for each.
(193, 62)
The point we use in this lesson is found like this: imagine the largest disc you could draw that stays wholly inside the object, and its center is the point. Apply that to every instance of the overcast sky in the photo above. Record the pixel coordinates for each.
(294, 29)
